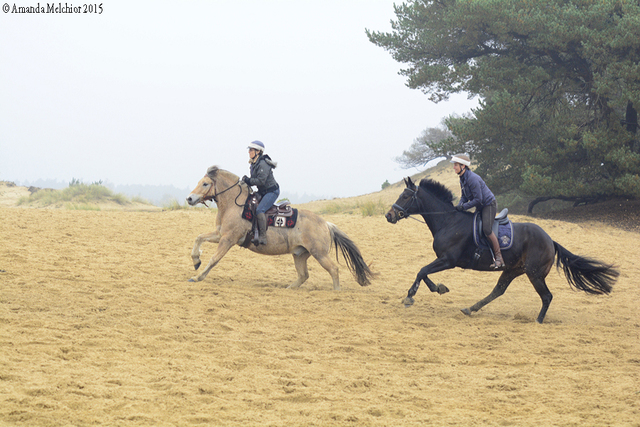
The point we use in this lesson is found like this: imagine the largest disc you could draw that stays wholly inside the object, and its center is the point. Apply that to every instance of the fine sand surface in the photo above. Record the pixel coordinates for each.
(99, 326)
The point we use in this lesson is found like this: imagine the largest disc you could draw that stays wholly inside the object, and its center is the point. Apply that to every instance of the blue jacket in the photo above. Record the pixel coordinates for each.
(474, 191)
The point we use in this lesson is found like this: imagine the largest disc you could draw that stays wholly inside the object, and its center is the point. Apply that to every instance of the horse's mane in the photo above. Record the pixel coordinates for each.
(214, 171)
(438, 190)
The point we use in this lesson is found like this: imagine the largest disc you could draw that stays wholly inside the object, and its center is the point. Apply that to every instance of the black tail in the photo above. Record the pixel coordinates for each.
(586, 274)
(352, 256)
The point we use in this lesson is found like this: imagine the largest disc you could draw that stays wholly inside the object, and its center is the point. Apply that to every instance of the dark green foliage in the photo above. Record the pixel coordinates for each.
(558, 83)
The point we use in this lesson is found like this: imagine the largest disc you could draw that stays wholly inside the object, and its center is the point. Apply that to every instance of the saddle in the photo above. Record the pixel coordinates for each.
(282, 209)
(279, 215)
(502, 227)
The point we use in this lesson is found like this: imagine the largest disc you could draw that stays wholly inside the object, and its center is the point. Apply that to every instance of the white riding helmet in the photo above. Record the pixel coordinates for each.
(463, 159)
(257, 145)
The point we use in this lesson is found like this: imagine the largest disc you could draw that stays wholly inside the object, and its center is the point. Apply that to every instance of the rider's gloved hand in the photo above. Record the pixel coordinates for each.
(459, 208)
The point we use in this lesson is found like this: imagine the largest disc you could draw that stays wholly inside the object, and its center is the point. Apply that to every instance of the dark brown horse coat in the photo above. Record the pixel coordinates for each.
(533, 251)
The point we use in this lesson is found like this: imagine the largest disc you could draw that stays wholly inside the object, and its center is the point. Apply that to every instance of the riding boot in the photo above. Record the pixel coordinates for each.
(262, 229)
(498, 263)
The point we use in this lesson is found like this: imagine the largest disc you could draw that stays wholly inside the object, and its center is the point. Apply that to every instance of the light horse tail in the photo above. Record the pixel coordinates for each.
(585, 274)
(351, 255)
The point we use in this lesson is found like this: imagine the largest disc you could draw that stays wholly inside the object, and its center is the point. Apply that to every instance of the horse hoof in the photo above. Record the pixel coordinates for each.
(466, 311)
(191, 280)
(408, 302)
(442, 289)
(197, 265)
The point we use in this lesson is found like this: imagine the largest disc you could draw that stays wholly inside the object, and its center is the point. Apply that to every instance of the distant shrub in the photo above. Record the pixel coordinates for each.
(140, 199)
(82, 207)
(372, 208)
(76, 196)
(174, 205)
(120, 199)
(334, 208)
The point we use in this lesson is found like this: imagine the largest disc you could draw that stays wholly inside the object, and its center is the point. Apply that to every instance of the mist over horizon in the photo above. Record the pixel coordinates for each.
(163, 195)
(158, 195)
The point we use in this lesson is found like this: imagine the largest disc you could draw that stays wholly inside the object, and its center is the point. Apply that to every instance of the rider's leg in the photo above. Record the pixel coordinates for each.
(499, 262)
(488, 216)
(267, 201)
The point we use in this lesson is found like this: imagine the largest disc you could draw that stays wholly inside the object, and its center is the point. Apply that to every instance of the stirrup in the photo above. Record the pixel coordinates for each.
(497, 266)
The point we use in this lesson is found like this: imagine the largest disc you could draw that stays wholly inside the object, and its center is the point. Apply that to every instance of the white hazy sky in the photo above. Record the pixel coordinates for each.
(154, 92)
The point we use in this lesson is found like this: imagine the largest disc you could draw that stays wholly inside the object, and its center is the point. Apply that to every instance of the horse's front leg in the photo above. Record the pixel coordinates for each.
(225, 243)
(213, 237)
(434, 267)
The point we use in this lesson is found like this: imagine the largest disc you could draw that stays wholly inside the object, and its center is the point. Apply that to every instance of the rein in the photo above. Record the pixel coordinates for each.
(402, 212)
(214, 197)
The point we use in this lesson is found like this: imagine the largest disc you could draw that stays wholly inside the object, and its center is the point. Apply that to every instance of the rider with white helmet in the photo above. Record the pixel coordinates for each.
(261, 175)
(476, 193)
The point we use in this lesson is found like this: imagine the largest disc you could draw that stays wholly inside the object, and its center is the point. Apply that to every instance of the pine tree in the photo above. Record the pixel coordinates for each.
(558, 82)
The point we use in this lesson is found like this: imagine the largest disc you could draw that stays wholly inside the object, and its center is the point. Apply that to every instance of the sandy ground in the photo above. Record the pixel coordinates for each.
(99, 326)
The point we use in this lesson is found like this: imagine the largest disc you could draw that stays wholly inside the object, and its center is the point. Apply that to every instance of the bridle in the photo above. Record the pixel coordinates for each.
(402, 213)
(214, 196)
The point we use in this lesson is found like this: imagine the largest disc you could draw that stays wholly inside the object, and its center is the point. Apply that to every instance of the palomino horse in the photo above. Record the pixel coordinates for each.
(311, 236)
(532, 253)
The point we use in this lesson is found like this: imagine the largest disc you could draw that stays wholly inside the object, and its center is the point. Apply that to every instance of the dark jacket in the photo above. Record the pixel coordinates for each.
(262, 175)
(474, 191)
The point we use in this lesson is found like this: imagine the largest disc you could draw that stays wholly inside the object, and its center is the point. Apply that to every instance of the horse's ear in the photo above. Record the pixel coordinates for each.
(409, 183)
(212, 171)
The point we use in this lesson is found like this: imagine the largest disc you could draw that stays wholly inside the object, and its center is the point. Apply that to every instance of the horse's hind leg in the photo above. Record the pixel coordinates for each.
(541, 288)
(300, 261)
(326, 262)
(505, 280)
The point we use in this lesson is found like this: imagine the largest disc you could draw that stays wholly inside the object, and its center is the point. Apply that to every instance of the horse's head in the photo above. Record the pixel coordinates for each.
(215, 183)
(407, 201)
(204, 191)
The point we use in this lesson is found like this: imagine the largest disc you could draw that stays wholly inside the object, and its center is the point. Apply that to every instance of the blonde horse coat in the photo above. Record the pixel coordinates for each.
(312, 235)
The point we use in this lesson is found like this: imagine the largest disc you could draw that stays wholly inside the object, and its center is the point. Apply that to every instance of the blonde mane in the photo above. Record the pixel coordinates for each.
(214, 172)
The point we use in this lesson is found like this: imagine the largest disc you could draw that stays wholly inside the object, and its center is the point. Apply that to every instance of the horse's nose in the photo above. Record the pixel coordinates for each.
(390, 217)
(191, 200)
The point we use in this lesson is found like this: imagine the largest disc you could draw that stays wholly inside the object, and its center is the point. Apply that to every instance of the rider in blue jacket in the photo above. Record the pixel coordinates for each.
(475, 193)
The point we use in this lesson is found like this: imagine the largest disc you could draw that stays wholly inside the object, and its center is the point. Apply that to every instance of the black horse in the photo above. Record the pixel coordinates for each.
(532, 253)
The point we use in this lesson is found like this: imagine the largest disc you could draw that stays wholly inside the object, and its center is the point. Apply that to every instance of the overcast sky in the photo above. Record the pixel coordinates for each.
(154, 92)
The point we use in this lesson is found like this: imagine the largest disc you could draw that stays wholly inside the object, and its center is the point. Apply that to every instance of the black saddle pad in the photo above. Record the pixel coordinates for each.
(283, 221)
(273, 220)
